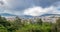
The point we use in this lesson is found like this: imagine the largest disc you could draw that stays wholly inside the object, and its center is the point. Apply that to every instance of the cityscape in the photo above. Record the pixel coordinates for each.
(29, 15)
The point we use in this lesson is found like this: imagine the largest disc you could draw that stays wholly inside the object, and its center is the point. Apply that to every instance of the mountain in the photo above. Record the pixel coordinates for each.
(6, 14)
(11, 15)
(50, 15)
(26, 16)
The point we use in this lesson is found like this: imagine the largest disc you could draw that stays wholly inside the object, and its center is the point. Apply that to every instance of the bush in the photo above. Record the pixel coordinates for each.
(3, 29)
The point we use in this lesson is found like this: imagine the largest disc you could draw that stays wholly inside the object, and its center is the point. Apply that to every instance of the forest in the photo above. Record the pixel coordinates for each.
(18, 26)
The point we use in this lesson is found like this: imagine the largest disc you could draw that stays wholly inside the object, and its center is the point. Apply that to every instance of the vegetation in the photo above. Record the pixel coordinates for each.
(18, 26)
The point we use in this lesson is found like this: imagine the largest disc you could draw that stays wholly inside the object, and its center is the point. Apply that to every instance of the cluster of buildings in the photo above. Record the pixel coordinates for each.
(52, 19)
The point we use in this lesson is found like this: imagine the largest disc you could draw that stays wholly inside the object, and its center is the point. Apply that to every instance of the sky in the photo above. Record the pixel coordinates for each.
(29, 7)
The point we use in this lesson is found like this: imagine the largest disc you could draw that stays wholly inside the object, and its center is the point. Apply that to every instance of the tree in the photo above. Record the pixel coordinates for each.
(39, 21)
(17, 23)
(58, 25)
(3, 29)
(54, 28)
(4, 22)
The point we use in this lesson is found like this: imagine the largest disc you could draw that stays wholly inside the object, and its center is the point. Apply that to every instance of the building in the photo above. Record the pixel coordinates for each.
(52, 19)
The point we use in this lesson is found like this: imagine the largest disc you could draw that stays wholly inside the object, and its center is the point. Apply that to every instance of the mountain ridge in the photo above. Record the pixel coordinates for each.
(28, 16)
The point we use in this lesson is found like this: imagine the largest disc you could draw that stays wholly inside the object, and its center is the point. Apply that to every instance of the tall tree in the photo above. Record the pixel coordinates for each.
(58, 25)
(17, 22)
(39, 21)
(4, 22)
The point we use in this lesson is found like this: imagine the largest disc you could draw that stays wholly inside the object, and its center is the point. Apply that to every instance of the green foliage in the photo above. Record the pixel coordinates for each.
(39, 21)
(54, 28)
(18, 26)
(4, 22)
(35, 28)
(58, 25)
(17, 23)
(46, 27)
(3, 29)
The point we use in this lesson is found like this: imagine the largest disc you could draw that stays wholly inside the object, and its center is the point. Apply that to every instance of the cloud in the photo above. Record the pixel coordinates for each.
(29, 7)
(24, 4)
(45, 3)
(37, 11)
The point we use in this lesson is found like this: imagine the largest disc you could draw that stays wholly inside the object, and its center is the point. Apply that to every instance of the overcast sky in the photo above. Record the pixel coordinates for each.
(30, 7)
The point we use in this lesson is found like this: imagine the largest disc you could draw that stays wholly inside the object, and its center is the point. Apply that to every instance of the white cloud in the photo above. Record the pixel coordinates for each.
(36, 11)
